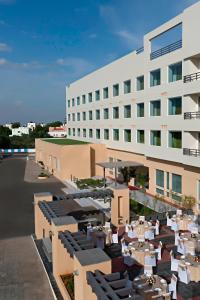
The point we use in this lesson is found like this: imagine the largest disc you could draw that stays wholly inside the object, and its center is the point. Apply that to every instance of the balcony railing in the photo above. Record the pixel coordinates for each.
(191, 77)
(165, 50)
(192, 115)
(191, 152)
(140, 50)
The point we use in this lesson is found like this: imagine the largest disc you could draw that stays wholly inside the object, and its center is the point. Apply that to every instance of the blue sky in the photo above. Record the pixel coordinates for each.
(45, 44)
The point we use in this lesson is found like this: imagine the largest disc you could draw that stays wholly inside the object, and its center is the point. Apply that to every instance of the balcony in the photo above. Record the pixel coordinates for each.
(140, 50)
(192, 115)
(165, 50)
(191, 77)
(191, 152)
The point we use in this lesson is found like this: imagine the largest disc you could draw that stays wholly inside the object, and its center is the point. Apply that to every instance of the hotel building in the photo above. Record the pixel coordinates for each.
(145, 107)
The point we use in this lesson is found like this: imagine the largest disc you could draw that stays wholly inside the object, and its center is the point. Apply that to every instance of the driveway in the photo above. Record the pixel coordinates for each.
(21, 273)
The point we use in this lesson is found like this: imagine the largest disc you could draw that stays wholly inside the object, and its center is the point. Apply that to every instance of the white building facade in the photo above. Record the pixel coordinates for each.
(20, 131)
(145, 107)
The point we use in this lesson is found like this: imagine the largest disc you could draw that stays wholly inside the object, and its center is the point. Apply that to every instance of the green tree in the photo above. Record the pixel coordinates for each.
(16, 125)
(4, 142)
(4, 131)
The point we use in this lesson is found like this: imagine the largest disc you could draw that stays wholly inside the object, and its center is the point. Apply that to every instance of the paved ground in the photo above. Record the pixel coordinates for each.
(21, 273)
(16, 198)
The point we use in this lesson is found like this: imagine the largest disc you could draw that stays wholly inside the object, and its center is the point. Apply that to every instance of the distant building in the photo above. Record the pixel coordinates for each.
(31, 125)
(57, 132)
(20, 131)
(8, 125)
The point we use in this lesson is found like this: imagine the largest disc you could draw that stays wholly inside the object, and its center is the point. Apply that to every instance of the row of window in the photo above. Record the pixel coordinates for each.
(174, 137)
(174, 108)
(168, 184)
(174, 74)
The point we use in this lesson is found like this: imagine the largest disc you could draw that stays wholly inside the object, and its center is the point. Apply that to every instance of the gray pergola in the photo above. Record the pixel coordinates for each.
(117, 164)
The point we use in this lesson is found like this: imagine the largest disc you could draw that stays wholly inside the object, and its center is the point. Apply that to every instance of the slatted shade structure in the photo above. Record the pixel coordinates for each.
(108, 287)
(98, 194)
(116, 165)
(74, 242)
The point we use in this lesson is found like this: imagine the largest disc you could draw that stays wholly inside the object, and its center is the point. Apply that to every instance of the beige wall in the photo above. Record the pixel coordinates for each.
(71, 160)
(190, 175)
(120, 206)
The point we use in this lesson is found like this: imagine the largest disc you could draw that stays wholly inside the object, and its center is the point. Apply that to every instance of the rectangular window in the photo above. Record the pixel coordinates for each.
(90, 97)
(116, 134)
(90, 133)
(160, 178)
(106, 134)
(127, 111)
(127, 86)
(78, 132)
(69, 131)
(155, 78)
(73, 102)
(84, 116)
(140, 110)
(68, 103)
(97, 114)
(140, 83)
(84, 132)
(115, 112)
(127, 135)
(105, 93)
(176, 186)
(97, 95)
(175, 139)
(115, 90)
(90, 115)
(159, 191)
(97, 134)
(73, 117)
(175, 106)
(106, 113)
(140, 136)
(78, 116)
(83, 99)
(155, 138)
(74, 132)
(69, 117)
(78, 100)
(155, 109)
(175, 72)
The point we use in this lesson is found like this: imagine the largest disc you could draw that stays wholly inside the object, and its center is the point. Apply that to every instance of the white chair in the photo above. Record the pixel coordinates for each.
(194, 230)
(148, 270)
(141, 238)
(150, 260)
(142, 218)
(169, 221)
(174, 226)
(89, 232)
(127, 228)
(107, 225)
(181, 247)
(157, 225)
(173, 286)
(183, 274)
(158, 251)
(177, 238)
(179, 212)
(115, 238)
(132, 234)
(149, 235)
(124, 246)
(174, 263)
(128, 259)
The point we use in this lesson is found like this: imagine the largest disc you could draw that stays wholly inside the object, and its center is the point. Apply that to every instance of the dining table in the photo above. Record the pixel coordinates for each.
(139, 250)
(148, 286)
(192, 263)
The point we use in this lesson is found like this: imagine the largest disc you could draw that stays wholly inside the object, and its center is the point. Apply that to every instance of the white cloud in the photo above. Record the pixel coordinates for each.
(131, 39)
(78, 66)
(7, 2)
(5, 47)
(22, 65)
